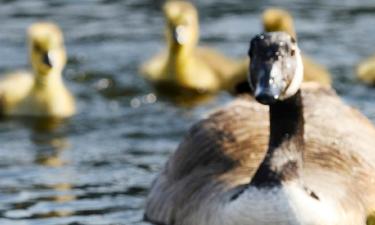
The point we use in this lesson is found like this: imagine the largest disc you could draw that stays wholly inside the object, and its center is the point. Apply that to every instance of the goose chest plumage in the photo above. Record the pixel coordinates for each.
(315, 167)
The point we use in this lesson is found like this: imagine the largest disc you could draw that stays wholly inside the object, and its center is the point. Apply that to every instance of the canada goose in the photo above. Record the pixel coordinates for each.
(185, 66)
(275, 19)
(366, 71)
(223, 174)
(42, 92)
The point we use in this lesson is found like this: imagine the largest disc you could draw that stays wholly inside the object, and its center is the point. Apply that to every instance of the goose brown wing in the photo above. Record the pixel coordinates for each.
(218, 153)
(339, 149)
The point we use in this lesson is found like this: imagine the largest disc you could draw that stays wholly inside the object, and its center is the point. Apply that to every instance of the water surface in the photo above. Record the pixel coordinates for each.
(96, 167)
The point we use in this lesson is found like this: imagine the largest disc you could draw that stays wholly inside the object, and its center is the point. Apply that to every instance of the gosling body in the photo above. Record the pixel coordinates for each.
(41, 92)
(185, 65)
(366, 71)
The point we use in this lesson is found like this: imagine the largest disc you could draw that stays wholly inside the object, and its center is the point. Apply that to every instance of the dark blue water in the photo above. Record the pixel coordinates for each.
(96, 167)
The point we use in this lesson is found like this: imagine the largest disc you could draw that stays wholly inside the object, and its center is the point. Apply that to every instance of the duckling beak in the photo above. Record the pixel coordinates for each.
(179, 34)
(266, 90)
(47, 59)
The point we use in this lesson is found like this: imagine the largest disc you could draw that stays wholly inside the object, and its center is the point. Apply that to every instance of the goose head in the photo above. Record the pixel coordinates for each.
(182, 29)
(276, 19)
(46, 48)
(276, 67)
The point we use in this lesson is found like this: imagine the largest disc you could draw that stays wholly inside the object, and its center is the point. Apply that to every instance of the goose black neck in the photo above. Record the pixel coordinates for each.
(285, 150)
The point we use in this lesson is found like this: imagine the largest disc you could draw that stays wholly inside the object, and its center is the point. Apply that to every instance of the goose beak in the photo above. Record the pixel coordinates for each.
(265, 96)
(266, 90)
(47, 59)
(179, 34)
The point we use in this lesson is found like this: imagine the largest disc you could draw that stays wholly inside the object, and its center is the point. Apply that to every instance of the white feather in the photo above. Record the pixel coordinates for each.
(288, 204)
(298, 76)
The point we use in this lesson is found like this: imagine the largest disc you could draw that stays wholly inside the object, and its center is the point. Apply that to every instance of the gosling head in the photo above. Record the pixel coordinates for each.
(276, 69)
(181, 23)
(276, 19)
(46, 48)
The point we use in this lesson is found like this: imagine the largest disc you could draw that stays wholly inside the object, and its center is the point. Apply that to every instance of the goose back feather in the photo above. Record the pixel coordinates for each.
(213, 165)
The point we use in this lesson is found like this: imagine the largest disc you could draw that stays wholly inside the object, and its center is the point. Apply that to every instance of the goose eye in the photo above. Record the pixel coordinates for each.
(293, 40)
(37, 48)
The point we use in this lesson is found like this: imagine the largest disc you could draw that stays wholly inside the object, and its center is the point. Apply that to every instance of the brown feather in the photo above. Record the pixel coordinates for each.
(220, 154)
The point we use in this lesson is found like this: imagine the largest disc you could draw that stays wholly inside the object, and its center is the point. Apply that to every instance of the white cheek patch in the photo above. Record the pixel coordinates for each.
(297, 78)
(276, 78)
(275, 74)
(181, 34)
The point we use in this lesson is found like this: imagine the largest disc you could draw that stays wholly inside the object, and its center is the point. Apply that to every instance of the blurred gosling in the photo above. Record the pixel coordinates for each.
(275, 19)
(183, 65)
(41, 92)
(366, 71)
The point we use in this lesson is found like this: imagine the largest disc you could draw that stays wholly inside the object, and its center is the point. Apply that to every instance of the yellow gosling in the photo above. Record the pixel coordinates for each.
(366, 71)
(275, 19)
(41, 92)
(185, 66)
